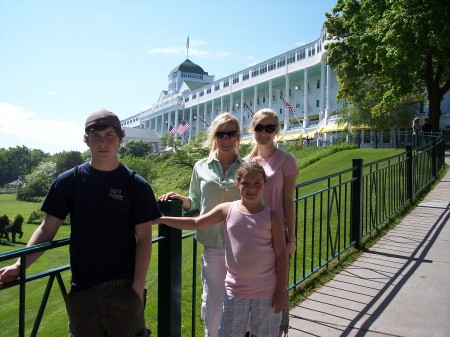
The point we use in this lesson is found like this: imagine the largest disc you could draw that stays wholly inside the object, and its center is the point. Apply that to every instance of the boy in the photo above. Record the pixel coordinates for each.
(111, 209)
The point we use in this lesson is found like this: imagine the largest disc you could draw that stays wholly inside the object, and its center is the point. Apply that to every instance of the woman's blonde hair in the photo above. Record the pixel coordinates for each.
(257, 118)
(218, 124)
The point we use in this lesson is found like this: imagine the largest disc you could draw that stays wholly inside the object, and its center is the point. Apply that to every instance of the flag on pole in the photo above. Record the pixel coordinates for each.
(172, 130)
(286, 104)
(207, 125)
(184, 126)
(251, 111)
(187, 42)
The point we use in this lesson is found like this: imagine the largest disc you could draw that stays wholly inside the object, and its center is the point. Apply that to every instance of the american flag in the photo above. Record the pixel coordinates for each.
(187, 42)
(182, 128)
(251, 111)
(172, 130)
(286, 104)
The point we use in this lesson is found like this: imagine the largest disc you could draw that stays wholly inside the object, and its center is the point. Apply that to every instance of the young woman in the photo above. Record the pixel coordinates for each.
(212, 183)
(256, 257)
(281, 170)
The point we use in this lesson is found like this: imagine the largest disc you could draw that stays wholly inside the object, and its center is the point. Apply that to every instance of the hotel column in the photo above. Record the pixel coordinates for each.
(255, 100)
(190, 123)
(241, 120)
(176, 119)
(213, 113)
(286, 97)
(328, 102)
(305, 100)
(205, 112)
(322, 89)
(221, 104)
(197, 120)
(270, 94)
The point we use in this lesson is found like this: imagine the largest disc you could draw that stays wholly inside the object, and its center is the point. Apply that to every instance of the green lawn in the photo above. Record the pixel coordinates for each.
(55, 320)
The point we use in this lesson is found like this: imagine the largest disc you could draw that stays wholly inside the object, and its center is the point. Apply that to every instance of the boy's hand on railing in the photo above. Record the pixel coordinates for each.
(9, 273)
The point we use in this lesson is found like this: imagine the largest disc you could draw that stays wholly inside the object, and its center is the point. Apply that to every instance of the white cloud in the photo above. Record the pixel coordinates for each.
(194, 50)
(21, 127)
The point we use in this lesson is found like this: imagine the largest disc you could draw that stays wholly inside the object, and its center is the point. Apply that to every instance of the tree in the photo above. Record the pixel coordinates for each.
(18, 161)
(38, 183)
(136, 148)
(404, 44)
(66, 160)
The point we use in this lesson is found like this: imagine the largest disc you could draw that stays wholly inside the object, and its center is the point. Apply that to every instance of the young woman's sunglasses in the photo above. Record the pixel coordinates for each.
(226, 134)
(269, 128)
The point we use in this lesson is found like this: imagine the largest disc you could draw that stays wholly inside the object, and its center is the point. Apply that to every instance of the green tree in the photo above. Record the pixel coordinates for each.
(136, 148)
(17, 162)
(38, 183)
(66, 160)
(404, 44)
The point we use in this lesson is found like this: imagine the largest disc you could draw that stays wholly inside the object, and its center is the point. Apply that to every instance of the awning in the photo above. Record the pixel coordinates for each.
(333, 128)
(294, 136)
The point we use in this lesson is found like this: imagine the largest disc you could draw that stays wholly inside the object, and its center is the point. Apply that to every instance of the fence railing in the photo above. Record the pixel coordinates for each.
(333, 213)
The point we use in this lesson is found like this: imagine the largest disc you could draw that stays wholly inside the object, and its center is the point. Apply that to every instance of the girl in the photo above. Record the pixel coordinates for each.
(256, 257)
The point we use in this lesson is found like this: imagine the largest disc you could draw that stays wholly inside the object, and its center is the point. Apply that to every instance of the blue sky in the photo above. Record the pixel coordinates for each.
(61, 60)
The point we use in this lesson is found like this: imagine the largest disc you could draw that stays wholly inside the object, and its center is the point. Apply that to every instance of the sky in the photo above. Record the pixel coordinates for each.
(61, 60)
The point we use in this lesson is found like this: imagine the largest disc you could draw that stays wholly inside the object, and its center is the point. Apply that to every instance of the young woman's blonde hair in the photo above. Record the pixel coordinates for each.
(218, 124)
(257, 118)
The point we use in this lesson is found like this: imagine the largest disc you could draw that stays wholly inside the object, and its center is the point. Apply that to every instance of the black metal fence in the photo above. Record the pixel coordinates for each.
(333, 213)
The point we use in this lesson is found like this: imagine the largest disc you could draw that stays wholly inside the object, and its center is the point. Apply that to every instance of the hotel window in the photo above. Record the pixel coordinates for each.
(236, 79)
(208, 91)
(263, 69)
(318, 83)
(186, 99)
(317, 103)
(291, 58)
(313, 50)
(281, 62)
(245, 76)
(255, 72)
(309, 52)
(202, 93)
(216, 87)
(226, 83)
(272, 65)
(194, 96)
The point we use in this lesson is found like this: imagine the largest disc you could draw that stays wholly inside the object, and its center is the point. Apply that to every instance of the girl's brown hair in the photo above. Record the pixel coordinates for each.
(249, 166)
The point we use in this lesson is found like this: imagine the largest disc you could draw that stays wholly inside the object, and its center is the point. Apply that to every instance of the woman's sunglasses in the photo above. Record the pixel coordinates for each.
(269, 128)
(226, 134)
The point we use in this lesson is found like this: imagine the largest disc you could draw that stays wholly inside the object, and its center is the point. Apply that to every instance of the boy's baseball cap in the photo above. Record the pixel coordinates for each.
(102, 117)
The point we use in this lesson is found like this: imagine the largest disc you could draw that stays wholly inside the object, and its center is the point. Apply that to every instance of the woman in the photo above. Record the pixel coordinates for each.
(212, 183)
(281, 170)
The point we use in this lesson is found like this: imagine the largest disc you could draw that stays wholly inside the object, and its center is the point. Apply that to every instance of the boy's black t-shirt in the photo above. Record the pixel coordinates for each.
(104, 208)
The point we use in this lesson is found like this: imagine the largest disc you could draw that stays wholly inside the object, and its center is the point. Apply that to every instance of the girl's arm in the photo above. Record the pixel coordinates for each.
(214, 216)
(289, 211)
(281, 260)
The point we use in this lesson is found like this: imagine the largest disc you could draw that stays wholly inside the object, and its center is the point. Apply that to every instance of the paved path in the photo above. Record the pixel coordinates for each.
(400, 287)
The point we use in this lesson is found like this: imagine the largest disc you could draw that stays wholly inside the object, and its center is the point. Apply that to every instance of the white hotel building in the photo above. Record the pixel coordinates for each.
(300, 75)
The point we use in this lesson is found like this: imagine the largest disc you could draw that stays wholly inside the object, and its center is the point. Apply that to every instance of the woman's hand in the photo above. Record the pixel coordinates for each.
(173, 195)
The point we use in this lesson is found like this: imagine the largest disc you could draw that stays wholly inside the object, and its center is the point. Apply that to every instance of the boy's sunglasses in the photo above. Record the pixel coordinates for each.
(269, 128)
(227, 134)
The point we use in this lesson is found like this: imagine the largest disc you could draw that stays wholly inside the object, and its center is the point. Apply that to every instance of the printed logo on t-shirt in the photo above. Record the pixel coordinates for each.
(116, 194)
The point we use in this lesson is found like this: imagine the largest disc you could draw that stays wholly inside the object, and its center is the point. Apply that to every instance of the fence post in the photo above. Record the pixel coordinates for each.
(357, 202)
(409, 173)
(434, 156)
(169, 273)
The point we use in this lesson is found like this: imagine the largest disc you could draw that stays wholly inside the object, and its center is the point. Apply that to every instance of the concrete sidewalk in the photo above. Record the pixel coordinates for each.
(400, 287)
